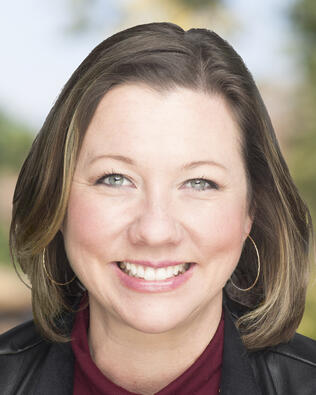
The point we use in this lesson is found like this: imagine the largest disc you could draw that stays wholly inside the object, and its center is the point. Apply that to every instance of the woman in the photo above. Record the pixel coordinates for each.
(165, 241)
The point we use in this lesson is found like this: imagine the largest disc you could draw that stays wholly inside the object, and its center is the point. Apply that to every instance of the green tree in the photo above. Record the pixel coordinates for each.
(91, 15)
(15, 141)
(303, 143)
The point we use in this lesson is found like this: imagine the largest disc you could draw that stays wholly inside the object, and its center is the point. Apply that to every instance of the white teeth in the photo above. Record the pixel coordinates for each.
(133, 270)
(175, 270)
(140, 271)
(151, 274)
(161, 274)
(169, 271)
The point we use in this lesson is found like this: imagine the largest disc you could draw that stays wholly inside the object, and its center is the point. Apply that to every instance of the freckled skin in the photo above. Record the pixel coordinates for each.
(156, 214)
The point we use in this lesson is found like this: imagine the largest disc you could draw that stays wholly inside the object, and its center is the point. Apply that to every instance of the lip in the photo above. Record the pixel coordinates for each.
(155, 264)
(141, 285)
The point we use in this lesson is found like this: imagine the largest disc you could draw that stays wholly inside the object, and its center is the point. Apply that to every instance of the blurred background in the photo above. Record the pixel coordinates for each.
(42, 43)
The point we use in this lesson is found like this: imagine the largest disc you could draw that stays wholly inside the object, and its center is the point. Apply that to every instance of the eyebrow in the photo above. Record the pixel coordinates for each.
(186, 166)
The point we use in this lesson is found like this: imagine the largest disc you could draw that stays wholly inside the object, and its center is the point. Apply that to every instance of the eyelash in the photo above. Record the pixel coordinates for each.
(212, 184)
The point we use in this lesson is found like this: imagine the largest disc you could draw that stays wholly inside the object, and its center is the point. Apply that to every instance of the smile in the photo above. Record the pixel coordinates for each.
(151, 274)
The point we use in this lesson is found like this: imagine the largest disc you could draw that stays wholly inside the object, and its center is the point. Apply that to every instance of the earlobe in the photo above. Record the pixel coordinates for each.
(62, 226)
(248, 226)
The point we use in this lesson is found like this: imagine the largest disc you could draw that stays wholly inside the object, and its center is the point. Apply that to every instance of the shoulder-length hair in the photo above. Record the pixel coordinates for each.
(164, 56)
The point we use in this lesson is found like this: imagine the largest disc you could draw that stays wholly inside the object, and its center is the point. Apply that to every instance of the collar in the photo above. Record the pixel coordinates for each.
(237, 375)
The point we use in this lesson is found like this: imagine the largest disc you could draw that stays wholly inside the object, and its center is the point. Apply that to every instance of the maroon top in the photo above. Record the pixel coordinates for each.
(201, 378)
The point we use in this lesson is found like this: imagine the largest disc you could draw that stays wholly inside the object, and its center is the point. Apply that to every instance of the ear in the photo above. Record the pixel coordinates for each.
(62, 227)
(247, 226)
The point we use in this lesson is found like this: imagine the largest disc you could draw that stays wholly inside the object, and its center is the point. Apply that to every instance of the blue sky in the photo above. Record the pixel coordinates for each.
(37, 57)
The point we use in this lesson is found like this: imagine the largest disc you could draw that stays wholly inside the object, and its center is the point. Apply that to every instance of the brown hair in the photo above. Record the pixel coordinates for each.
(164, 56)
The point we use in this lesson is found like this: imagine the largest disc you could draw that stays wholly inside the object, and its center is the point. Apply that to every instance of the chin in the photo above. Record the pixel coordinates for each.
(154, 327)
(157, 322)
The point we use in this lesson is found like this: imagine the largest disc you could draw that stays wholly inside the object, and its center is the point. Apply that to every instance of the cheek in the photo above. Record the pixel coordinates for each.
(89, 223)
(222, 230)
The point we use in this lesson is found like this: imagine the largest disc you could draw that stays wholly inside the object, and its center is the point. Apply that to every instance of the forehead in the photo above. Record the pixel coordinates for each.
(139, 121)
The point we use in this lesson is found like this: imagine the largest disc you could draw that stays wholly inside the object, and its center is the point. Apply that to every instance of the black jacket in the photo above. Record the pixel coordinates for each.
(31, 365)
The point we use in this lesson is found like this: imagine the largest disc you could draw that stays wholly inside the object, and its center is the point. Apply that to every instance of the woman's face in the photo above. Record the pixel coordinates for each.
(156, 209)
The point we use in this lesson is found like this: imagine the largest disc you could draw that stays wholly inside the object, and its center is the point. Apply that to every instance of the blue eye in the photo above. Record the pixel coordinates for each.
(117, 180)
(202, 184)
(114, 179)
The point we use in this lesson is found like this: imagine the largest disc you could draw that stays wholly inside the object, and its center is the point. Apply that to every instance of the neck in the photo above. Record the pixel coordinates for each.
(158, 358)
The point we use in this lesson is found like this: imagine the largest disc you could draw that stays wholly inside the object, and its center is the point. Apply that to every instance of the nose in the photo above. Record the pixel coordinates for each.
(155, 223)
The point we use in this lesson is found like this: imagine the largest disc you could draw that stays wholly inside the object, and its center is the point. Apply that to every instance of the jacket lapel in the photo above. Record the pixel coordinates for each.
(237, 375)
(58, 367)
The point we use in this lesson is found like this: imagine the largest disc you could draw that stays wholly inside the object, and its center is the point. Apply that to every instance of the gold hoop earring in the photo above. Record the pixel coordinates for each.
(258, 271)
(49, 277)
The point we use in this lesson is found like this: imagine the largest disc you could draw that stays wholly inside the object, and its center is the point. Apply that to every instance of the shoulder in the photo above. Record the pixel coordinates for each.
(301, 349)
(20, 339)
(288, 368)
(22, 352)
(29, 364)
(285, 369)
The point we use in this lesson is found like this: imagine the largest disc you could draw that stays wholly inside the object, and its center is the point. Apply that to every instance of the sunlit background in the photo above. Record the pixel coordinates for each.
(43, 42)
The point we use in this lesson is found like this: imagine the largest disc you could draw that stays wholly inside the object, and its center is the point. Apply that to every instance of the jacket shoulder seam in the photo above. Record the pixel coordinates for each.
(20, 339)
(21, 350)
(295, 357)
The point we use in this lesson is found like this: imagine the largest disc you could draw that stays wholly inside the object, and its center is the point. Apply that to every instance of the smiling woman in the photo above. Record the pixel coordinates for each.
(165, 241)
(151, 208)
